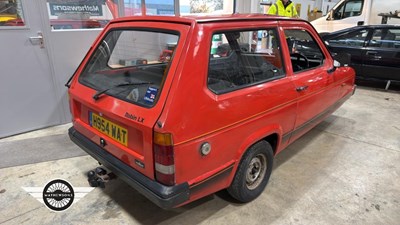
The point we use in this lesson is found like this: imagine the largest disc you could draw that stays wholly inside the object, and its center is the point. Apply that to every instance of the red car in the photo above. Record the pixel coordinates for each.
(180, 129)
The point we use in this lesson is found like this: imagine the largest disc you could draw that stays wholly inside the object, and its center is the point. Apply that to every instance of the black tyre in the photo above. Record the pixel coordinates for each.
(253, 172)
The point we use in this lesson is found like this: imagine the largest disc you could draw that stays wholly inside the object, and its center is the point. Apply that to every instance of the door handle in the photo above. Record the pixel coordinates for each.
(371, 53)
(301, 88)
(38, 40)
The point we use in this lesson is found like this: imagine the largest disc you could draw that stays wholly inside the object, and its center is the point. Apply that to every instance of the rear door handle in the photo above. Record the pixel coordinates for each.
(372, 52)
(301, 88)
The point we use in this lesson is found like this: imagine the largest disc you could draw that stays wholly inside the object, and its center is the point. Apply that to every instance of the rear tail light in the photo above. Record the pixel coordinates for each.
(164, 158)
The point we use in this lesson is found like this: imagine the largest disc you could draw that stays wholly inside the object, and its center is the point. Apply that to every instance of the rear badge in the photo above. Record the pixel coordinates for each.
(134, 117)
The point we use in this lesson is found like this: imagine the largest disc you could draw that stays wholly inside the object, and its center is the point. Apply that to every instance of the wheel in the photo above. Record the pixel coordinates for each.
(253, 172)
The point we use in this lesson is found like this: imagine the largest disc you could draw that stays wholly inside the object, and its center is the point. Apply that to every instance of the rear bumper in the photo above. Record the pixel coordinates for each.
(164, 196)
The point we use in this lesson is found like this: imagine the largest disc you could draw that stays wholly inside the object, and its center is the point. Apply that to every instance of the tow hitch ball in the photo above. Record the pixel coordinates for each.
(99, 177)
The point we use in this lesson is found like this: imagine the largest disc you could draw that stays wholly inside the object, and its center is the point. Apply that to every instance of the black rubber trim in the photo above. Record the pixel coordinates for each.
(164, 196)
(317, 119)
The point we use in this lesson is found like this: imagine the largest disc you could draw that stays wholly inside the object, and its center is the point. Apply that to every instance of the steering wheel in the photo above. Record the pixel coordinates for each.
(300, 64)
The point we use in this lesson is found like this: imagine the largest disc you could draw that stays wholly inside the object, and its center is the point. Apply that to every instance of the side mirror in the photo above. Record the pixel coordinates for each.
(336, 63)
(342, 59)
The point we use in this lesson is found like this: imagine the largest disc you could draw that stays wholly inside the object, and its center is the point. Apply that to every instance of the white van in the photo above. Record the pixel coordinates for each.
(350, 13)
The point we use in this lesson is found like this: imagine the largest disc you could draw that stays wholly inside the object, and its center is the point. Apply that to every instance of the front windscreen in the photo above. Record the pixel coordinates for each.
(131, 65)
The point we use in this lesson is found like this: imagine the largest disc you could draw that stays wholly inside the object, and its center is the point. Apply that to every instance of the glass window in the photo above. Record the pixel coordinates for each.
(153, 7)
(353, 39)
(131, 65)
(11, 13)
(348, 9)
(81, 14)
(385, 38)
(304, 51)
(206, 6)
(243, 58)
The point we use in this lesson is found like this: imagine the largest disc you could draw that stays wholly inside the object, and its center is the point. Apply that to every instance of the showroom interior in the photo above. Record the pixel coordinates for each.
(343, 171)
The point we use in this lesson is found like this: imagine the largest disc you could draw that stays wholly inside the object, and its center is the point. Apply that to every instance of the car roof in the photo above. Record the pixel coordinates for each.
(190, 19)
(378, 26)
(351, 29)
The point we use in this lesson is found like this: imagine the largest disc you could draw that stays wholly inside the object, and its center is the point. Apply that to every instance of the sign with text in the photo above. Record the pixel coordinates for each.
(66, 8)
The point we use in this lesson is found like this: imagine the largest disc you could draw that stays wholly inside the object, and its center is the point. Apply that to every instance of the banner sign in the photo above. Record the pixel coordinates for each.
(65, 8)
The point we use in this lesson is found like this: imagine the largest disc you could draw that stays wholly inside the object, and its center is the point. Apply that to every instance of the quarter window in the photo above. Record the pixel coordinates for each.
(304, 51)
(240, 59)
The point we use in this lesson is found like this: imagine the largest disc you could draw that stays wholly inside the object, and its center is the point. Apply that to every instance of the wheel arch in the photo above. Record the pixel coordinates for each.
(238, 187)
(272, 134)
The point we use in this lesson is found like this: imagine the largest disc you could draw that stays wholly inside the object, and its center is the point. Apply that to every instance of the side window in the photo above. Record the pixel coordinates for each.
(304, 51)
(385, 38)
(240, 59)
(348, 9)
(355, 39)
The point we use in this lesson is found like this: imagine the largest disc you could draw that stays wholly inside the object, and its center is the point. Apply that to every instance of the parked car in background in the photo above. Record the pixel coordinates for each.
(205, 115)
(374, 50)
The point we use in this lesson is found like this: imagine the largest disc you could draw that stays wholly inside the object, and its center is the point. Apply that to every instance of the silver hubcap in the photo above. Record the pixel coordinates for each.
(256, 171)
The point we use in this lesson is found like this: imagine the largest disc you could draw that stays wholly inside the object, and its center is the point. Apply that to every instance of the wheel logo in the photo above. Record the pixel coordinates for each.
(58, 195)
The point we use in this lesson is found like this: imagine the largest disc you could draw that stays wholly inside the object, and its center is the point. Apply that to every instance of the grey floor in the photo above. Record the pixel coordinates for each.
(344, 171)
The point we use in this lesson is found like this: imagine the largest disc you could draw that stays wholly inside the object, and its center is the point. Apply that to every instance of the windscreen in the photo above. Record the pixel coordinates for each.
(131, 65)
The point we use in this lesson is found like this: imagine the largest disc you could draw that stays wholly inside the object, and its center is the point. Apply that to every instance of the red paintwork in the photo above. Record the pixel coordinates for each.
(230, 122)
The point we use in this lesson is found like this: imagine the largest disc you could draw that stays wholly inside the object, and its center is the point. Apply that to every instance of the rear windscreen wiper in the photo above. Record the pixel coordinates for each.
(97, 95)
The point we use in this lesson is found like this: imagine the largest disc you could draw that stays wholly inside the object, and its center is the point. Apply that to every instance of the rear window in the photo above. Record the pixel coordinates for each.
(131, 65)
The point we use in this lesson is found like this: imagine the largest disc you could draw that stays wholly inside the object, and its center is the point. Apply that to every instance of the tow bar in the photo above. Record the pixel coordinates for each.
(99, 177)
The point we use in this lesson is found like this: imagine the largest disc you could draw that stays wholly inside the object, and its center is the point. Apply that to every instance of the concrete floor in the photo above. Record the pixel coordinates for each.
(344, 171)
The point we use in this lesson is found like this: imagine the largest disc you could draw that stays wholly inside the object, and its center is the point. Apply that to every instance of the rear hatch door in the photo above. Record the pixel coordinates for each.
(121, 87)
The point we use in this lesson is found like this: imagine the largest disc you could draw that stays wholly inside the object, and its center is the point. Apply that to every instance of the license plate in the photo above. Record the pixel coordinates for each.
(109, 128)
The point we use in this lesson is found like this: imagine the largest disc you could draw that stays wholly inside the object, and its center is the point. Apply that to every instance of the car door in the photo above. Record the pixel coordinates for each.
(352, 42)
(313, 82)
(382, 55)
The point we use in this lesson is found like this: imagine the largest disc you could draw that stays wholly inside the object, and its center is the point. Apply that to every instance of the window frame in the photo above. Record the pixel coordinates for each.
(241, 30)
(316, 42)
(343, 7)
(365, 42)
(92, 55)
(368, 44)
(24, 19)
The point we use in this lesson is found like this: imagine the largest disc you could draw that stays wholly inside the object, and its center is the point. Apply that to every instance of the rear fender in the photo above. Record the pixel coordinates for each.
(258, 136)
